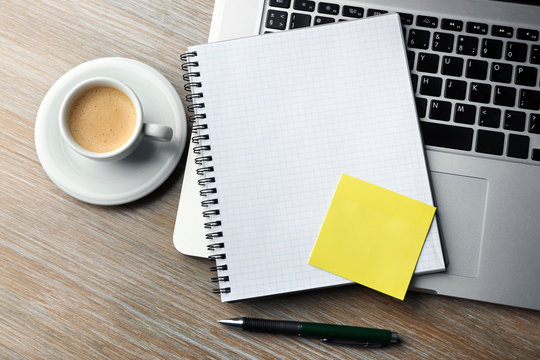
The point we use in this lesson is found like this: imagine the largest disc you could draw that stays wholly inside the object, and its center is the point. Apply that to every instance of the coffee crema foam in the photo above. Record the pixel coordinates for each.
(102, 119)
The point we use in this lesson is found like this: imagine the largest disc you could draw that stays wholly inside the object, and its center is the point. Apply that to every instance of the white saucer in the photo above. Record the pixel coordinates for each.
(113, 183)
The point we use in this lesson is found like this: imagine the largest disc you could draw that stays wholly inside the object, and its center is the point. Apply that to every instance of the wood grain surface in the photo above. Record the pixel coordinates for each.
(79, 281)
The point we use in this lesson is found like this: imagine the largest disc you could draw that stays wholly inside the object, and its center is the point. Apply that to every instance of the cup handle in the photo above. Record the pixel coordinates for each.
(158, 132)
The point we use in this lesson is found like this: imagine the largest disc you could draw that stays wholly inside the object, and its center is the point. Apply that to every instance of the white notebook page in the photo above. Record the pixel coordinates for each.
(287, 114)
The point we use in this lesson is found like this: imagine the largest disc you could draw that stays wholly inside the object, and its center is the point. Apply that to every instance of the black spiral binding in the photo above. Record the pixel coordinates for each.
(202, 147)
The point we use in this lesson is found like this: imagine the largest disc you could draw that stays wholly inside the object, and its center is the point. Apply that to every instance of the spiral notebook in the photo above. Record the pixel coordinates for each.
(278, 119)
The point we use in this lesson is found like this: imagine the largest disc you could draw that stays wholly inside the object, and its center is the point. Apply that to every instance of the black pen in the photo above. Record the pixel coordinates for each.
(328, 333)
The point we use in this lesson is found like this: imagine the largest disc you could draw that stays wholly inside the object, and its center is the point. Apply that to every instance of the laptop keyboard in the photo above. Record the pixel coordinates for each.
(476, 82)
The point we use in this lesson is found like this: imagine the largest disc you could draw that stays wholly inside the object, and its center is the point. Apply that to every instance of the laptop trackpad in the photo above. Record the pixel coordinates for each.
(461, 203)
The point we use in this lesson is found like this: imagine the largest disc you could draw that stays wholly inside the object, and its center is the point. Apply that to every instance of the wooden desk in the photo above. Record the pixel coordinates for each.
(84, 281)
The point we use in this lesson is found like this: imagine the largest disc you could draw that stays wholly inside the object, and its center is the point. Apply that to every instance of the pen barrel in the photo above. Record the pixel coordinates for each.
(344, 332)
(272, 326)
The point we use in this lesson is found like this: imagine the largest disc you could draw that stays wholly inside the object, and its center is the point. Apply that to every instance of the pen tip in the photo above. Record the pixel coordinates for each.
(394, 338)
(232, 322)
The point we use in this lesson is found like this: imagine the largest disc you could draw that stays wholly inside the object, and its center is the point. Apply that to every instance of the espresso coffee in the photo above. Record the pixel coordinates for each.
(102, 119)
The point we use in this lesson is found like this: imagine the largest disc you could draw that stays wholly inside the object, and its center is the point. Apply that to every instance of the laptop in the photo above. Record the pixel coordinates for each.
(475, 69)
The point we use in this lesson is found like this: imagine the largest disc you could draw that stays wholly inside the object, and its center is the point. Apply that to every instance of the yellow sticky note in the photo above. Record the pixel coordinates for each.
(372, 236)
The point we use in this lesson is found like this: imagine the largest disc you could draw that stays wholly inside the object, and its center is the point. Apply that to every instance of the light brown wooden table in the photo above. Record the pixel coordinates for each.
(84, 281)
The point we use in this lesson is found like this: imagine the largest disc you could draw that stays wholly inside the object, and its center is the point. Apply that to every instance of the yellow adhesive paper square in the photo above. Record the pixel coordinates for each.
(372, 236)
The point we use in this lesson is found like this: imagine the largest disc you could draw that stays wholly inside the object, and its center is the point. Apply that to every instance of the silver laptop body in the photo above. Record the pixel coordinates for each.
(487, 190)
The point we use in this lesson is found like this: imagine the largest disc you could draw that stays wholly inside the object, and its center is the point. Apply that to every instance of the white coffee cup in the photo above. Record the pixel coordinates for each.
(140, 128)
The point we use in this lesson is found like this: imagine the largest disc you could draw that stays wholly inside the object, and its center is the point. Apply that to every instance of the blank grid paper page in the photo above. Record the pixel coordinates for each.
(287, 114)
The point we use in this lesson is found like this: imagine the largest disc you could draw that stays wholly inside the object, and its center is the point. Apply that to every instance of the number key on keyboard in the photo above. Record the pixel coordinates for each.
(467, 45)
(418, 39)
(492, 48)
(516, 51)
(443, 42)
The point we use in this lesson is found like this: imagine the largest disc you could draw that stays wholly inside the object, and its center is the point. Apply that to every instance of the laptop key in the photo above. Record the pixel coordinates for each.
(465, 113)
(406, 19)
(427, 63)
(514, 120)
(452, 25)
(516, 51)
(502, 31)
(489, 117)
(455, 89)
(410, 58)
(480, 92)
(505, 96)
(430, 85)
(427, 21)
(440, 110)
(529, 99)
(536, 155)
(447, 136)
(276, 19)
(527, 34)
(489, 142)
(477, 28)
(476, 69)
(501, 72)
(418, 39)
(414, 80)
(375, 12)
(518, 146)
(320, 20)
(526, 75)
(421, 105)
(535, 54)
(352, 11)
(492, 48)
(467, 45)
(443, 42)
(328, 8)
(304, 5)
(534, 124)
(280, 3)
(452, 66)
(299, 20)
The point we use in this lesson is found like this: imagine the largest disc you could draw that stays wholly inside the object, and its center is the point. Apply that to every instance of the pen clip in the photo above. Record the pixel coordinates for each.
(349, 342)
